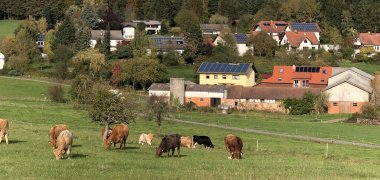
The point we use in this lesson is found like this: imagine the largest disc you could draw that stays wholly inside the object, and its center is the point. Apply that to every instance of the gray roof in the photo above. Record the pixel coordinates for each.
(129, 24)
(278, 93)
(241, 38)
(159, 87)
(213, 27)
(353, 81)
(339, 70)
(149, 22)
(115, 34)
(168, 42)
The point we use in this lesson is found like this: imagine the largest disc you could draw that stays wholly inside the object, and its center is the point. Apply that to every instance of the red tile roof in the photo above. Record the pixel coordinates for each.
(272, 26)
(296, 38)
(288, 74)
(370, 39)
(266, 75)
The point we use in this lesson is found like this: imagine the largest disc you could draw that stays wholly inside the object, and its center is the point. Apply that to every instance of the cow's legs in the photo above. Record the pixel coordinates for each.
(228, 152)
(1, 139)
(6, 138)
(178, 151)
(68, 152)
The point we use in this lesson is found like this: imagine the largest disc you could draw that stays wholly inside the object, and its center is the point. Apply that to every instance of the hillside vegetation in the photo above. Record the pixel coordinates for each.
(7, 28)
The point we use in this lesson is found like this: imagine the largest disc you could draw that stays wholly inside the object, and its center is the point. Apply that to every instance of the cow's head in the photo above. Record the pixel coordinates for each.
(107, 144)
(58, 153)
(237, 154)
(159, 151)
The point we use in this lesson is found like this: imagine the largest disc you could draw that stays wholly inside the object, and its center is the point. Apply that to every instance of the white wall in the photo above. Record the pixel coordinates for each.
(113, 44)
(2, 63)
(243, 48)
(347, 92)
(307, 45)
(203, 94)
(159, 93)
(129, 33)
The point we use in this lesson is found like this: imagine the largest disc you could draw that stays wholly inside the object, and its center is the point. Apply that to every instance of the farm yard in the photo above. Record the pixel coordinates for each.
(28, 155)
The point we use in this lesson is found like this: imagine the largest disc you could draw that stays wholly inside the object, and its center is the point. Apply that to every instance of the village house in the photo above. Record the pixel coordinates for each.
(298, 77)
(2, 60)
(116, 38)
(213, 29)
(275, 29)
(129, 31)
(151, 26)
(367, 40)
(348, 90)
(164, 44)
(40, 41)
(300, 40)
(226, 74)
(242, 41)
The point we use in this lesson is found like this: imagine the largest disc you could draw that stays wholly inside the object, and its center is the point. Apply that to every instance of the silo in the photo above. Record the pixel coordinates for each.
(177, 90)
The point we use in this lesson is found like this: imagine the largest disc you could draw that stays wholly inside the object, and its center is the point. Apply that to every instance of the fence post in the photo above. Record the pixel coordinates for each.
(257, 145)
(327, 150)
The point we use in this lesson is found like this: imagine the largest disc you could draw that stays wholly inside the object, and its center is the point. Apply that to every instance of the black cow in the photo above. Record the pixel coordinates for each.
(205, 140)
(168, 143)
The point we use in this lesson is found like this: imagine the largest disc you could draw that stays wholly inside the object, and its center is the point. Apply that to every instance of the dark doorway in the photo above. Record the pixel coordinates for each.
(215, 102)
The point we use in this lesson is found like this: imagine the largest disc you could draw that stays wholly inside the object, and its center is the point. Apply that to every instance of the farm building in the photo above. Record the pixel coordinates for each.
(348, 90)
(116, 38)
(226, 74)
(298, 77)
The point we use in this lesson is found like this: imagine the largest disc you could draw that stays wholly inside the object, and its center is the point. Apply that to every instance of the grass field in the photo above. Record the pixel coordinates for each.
(369, 68)
(183, 71)
(28, 156)
(7, 28)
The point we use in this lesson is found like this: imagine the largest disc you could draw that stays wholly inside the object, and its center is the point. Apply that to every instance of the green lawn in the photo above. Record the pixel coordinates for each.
(369, 68)
(28, 156)
(183, 71)
(7, 28)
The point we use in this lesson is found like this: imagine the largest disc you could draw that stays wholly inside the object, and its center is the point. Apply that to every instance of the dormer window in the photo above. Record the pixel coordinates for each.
(305, 41)
(324, 71)
(279, 79)
(281, 70)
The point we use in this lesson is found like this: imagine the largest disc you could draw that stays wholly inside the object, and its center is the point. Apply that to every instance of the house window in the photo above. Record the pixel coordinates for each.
(236, 77)
(224, 76)
(305, 83)
(207, 76)
(201, 99)
(324, 71)
(279, 79)
(215, 76)
(305, 41)
(296, 83)
(355, 104)
(322, 80)
(281, 70)
(335, 104)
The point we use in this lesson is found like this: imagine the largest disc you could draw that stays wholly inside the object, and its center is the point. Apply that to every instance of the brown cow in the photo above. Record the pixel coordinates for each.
(119, 134)
(64, 143)
(54, 133)
(4, 130)
(108, 132)
(168, 143)
(187, 141)
(233, 144)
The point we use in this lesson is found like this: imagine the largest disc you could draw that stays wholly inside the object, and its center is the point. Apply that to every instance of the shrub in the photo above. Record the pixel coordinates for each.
(81, 89)
(300, 106)
(370, 111)
(56, 93)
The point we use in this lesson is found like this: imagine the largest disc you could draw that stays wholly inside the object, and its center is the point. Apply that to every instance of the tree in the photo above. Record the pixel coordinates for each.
(90, 62)
(124, 51)
(224, 54)
(83, 36)
(61, 57)
(65, 34)
(218, 19)
(106, 43)
(170, 58)
(109, 108)
(158, 108)
(300, 10)
(42, 25)
(88, 16)
(263, 44)
(300, 106)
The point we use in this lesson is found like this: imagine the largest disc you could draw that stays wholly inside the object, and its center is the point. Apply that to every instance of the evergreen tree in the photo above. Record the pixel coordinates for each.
(65, 34)
(106, 43)
(83, 36)
(88, 16)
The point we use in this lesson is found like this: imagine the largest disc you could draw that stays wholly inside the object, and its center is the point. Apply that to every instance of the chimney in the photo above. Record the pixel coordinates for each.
(294, 67)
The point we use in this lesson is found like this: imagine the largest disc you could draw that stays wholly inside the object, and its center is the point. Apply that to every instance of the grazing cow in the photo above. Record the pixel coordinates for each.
(187, 141)
(146, 138)
(4, 130)
(54, 133)
(119, 134)
(234, 145)
(168, 143)
(205, 140)
(64, 143)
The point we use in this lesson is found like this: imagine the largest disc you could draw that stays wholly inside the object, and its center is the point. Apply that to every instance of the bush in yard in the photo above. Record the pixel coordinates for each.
(56, 93)
(81, 89)
(300, 106)
(370, 111)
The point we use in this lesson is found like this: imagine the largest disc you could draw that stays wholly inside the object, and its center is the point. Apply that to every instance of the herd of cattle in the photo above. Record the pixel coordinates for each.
(61, 140)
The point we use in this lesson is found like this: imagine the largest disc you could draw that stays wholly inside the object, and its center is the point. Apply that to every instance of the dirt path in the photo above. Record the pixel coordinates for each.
(297, 137)
(35, 80)
(335, 120)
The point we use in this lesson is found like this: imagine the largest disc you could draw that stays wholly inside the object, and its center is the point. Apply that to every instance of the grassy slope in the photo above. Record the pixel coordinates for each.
(369, 68)
(28, 156)
(7, 28)
(184, 71)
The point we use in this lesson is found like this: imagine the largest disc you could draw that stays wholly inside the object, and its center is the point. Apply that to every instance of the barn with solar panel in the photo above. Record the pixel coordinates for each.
(226, 74)
(164, 44)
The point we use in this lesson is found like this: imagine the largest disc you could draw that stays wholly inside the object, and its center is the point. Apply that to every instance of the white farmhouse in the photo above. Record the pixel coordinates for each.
(116, 38)
(371, 40)
(2, 60)
(300, 40)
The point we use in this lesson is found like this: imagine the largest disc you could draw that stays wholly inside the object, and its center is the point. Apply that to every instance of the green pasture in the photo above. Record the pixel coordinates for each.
(182, 71)
(28, 156)
(369, 68)
(7, 28)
